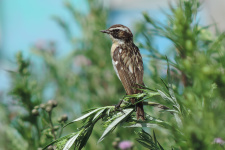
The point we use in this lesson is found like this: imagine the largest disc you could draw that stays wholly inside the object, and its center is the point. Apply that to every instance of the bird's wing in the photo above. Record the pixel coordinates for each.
(128, 65)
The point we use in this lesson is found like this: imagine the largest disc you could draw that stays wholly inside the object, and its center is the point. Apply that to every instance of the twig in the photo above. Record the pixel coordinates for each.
(51, 125)
(61, 129)
(156, 105)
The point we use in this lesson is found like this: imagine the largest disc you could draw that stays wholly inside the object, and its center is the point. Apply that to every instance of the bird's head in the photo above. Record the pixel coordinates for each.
(119, 33)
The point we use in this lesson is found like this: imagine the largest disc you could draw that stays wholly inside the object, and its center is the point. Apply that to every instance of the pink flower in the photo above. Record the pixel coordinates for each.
(40, 44)
(81, 60)
(219, 141)
(125, 145)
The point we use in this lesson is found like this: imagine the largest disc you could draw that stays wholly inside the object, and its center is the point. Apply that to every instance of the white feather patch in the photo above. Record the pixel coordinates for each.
(114, 66)
(139, 67)
(117, 41)
(120, 28)
(125, 60)
(128, 62)
(137, 59)
(131, 68)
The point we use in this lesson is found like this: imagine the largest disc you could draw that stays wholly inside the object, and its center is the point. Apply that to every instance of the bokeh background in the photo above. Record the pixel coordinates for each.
(69, 60)
(27, 23)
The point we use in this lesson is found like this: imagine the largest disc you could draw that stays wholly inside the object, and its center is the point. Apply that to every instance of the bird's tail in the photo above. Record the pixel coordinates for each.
(140, 111)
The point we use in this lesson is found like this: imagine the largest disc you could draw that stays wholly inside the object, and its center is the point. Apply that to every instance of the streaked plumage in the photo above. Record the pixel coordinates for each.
(127, 62)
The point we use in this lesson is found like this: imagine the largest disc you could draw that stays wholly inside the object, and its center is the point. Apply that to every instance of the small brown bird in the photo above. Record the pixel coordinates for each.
(127, 62)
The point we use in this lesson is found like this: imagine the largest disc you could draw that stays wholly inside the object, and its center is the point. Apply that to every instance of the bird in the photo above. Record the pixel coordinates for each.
(127, 63)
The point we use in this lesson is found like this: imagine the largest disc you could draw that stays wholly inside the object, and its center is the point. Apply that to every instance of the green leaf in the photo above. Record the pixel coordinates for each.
(170, 88)
(147, 141)
(83, 137)
(161, 148)
(164, 96)
(60, 139)
(172, 93)
(147, 145)
(141, 125)
(108, 111)
(154, 137)
(84, 116)
(164, 83)
(98, 114)
(145, 87)
(178, 120)
(70, 142)
(115, 123)
(170, 110)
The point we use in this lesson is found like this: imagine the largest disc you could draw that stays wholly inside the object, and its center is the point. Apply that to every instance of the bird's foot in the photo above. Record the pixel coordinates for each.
(117, 106)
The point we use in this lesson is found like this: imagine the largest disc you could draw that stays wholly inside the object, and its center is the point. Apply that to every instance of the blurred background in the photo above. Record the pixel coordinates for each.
(65, 58)
(26, 24)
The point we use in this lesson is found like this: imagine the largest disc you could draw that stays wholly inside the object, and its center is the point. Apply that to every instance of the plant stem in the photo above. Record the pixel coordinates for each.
(61, 129)
(51, 125)
(156, 105)
(184, 79)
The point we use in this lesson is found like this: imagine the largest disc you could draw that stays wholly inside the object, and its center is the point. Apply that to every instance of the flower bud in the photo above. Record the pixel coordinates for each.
(42, 106)
(48, 108)
(64, 117)
(54, 103)
(206, 70)
(187, 64)
(126, 145)
(36, 107)
(35, 112)
(50, 147)
(56, 128)
(115, 144)
(189, 33)
(117, 139)
(50, 103)
(25, 71)
(188, 45)
(59, 119)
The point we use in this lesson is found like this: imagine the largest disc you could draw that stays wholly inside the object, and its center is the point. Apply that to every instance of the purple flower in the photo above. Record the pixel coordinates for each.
(219, 141)
(81, 60)
(125, 145)
(40, 44)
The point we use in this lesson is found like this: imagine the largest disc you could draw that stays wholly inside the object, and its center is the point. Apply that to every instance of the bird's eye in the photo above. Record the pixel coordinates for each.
(117, 30)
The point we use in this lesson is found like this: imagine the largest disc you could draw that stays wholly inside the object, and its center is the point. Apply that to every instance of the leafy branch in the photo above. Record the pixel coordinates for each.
(147, 141)
(112, 117)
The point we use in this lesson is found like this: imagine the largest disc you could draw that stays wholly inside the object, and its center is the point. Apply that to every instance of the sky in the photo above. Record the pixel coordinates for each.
(25, 23)
(28, 22)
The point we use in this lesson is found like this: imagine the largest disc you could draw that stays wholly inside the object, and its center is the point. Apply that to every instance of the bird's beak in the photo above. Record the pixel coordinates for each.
(105, 31)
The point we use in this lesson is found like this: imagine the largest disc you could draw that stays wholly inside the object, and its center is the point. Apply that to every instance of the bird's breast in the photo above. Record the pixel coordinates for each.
(113, 48)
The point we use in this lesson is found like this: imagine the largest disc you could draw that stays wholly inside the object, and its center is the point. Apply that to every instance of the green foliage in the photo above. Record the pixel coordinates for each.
(147, 141)
(26, 92)
(35, 131)
(185, 107)
(80, 79)
(197, 65)
(111, 119)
